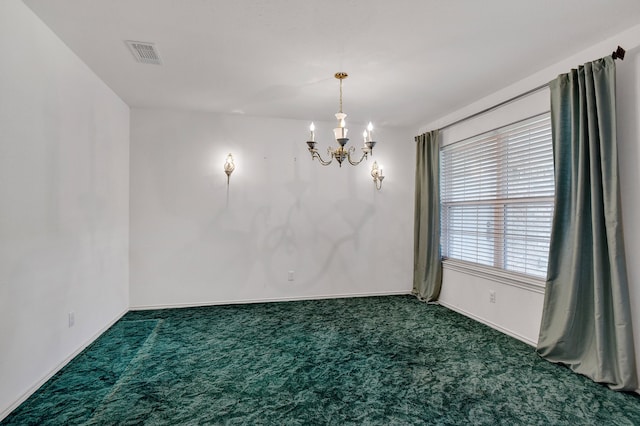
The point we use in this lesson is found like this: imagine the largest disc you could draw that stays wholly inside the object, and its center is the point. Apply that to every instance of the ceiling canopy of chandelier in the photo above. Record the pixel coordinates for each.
(340, 133)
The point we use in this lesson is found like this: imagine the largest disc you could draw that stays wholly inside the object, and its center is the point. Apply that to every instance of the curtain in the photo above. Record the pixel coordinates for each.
(586, 320)
(427, 266)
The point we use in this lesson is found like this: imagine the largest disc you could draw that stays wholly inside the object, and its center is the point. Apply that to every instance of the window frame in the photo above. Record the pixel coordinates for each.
(497, 271)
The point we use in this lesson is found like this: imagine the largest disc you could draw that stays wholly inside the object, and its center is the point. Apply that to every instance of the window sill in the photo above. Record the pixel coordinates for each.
(514, 279)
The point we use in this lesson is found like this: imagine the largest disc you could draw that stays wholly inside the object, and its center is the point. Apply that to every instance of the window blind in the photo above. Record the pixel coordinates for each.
(497, 194)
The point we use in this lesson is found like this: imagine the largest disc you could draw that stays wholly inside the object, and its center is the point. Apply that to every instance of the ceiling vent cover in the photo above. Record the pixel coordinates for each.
(144, 52)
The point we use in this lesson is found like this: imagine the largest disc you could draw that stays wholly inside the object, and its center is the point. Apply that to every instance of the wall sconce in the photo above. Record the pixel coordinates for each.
(229, 167)
(376, 173)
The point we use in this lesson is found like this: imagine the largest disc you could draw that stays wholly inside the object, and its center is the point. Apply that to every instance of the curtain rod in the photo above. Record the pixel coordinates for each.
(617, 54)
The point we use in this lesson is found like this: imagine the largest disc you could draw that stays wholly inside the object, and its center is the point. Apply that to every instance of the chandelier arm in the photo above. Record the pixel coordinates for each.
(355, 163)
(316, 154)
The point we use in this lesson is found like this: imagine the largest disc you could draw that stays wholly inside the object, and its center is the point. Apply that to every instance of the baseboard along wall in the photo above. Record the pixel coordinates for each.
(266, 300)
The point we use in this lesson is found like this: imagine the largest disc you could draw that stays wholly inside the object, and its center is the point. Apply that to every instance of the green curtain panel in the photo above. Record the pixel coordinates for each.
(427, 265)
(586, 320)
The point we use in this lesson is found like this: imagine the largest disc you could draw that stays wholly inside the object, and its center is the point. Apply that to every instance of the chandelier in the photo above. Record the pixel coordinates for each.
(340, 133)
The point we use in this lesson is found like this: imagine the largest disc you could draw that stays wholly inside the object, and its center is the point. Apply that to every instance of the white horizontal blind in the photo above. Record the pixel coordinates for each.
(497, 194)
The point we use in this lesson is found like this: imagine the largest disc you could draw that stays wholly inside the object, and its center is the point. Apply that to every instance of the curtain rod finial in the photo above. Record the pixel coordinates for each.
(618, 53)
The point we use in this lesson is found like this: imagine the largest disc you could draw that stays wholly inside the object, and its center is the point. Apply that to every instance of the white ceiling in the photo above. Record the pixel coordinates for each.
(409, 61)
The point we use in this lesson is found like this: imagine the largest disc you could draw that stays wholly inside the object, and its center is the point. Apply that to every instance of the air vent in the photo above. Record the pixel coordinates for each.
(144, 52)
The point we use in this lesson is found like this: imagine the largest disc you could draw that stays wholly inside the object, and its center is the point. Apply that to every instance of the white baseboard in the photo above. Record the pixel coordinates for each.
(57, 368)
(490, 324)
(267, 300)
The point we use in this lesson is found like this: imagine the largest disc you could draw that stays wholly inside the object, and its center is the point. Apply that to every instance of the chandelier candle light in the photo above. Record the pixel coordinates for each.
(340, 134)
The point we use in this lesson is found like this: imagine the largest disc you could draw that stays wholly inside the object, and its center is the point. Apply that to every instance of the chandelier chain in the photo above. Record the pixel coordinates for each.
(340, 95)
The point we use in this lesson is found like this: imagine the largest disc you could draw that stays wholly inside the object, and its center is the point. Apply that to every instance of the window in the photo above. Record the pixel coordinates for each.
(497, 194)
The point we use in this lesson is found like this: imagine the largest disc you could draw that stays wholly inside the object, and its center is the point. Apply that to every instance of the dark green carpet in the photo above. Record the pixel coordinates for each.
(377, 360)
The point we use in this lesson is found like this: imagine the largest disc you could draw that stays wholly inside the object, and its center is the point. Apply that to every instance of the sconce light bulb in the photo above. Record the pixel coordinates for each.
(312, 127)
(370, 127)
(376, 174)
(229, 166)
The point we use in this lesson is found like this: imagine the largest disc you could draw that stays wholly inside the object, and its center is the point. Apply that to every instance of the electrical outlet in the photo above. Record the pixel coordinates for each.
(72, 319)
(492, 296)
(290, 275)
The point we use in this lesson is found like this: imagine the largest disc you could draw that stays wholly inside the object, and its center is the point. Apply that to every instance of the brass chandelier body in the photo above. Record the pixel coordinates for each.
(341, 153)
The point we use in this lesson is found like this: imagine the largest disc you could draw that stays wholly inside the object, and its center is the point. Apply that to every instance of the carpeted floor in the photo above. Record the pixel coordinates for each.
(376, 360)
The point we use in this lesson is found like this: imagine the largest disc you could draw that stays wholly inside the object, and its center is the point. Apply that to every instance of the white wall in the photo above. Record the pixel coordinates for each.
(64, 204)
(191, 246)
(517, 311)
(628, 109)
